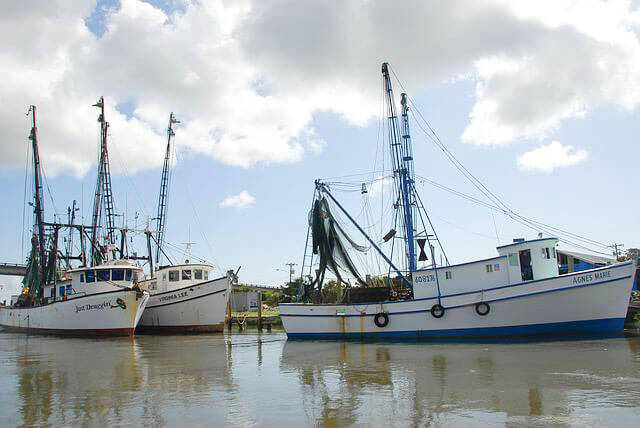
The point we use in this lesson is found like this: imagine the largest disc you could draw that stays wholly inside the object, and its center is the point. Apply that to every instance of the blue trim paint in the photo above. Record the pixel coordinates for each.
(525, 242)
(461, 264)
(591, 327)
(481, 290)
(459, 306)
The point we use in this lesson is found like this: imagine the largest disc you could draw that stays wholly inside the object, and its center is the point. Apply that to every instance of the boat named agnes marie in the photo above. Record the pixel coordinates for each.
(103, 299)
(519, 292)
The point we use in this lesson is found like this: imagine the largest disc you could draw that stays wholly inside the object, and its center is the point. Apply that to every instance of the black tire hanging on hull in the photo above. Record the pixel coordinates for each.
(381, 319)
(437, 310)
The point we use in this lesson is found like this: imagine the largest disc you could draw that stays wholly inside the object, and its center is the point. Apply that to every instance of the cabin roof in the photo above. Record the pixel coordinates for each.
(587, 257)
(191, 265)
(527, 242)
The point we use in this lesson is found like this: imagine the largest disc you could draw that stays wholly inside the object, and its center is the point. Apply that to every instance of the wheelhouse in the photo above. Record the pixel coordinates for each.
(178, 276)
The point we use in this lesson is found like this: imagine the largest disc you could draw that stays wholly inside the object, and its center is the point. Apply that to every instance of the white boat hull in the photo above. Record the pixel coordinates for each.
(587, 302)
(114, 313)
(197, 308)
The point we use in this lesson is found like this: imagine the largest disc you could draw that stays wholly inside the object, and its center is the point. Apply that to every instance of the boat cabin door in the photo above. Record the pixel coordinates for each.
(525, 265)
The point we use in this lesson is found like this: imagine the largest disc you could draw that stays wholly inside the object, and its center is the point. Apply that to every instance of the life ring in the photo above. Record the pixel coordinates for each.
(483, 308)
(437, 310)
(381, 319)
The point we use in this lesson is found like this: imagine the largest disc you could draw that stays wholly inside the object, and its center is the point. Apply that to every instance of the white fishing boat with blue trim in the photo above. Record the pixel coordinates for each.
(519, 292)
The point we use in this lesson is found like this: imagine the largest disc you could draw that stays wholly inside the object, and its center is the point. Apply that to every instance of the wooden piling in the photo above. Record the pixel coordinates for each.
(259, 310)
(229, 317)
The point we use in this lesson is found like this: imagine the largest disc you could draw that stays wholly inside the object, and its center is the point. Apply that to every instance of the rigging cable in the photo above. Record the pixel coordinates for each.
(533, 224)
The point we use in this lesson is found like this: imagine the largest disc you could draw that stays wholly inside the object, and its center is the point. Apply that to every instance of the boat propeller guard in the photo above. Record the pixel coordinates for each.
(381, 319)
(482, 308)
(437, 310)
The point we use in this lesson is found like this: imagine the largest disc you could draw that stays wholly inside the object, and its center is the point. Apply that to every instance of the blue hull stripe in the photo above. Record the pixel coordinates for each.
(495, 288)
(589, 327)
(521, 296)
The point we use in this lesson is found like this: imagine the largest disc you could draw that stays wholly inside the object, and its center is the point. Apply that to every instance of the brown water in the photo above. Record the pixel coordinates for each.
(263, 380)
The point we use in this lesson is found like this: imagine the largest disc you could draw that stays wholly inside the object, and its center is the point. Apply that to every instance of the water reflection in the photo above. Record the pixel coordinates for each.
(261, 379)
(420, 384)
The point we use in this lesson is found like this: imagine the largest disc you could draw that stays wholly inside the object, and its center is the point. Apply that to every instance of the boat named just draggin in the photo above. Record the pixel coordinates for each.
(517, 293)
(103, 299)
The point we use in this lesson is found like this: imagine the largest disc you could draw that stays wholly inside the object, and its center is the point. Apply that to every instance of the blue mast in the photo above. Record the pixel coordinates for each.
(402, 158)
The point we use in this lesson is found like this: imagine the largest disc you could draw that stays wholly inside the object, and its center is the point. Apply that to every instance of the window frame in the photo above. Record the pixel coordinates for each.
(174, 275)
(113, 276)
(90, 276)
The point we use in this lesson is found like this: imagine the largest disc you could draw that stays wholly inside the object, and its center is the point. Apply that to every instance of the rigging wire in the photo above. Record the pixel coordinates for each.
(218, 265)
(533, 224)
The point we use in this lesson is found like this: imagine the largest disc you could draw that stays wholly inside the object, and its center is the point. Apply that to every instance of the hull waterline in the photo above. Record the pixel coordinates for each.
(198, 308)
(571, 304)
(113, 313)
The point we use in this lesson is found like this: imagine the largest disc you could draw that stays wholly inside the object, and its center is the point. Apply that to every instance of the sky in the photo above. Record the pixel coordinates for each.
(539, 100)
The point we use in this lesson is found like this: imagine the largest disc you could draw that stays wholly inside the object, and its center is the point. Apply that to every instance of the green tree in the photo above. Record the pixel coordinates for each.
(633, 254)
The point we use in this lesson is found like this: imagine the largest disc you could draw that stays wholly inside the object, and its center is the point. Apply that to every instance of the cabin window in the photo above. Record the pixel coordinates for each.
(447, 274)
(103, 275)
(117, 275)
(128, 275)
(205, 274)
(553, 252)
(173, 275)
(164, 277)
(186, 274)
(489, 268)
(513, 259)
(197, 274)
(546, 253)
(61, 289)
(69, 289)
(53, 292)
(81, 277)
(153, 285)
(91, 276)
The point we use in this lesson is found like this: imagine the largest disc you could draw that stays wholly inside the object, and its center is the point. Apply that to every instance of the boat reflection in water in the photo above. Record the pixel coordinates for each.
(118, 381)
(264, 380)
(558, 383)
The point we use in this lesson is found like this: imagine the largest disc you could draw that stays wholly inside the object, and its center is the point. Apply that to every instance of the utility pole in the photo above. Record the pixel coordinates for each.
(616, 249)
(291, 270)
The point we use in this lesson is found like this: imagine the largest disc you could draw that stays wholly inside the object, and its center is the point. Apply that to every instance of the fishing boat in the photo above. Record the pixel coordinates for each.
(518, 292)
(100, 297)
(184, 297)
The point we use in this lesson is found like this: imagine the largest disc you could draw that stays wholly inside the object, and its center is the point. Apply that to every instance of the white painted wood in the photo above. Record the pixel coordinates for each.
(194, 306)
(596, 294)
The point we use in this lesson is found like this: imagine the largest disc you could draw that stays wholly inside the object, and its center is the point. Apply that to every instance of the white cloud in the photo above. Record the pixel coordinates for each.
(246, 77)
(583, 55)
(381, 185)
(241, 200)
(553, 155)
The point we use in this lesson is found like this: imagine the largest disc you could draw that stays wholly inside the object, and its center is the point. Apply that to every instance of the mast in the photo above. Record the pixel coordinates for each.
(401, 154)
(161, 218)
(103, 194)
(37, 201)
(71, 219)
